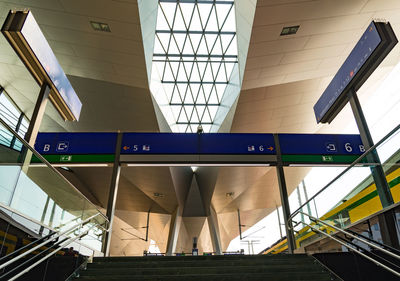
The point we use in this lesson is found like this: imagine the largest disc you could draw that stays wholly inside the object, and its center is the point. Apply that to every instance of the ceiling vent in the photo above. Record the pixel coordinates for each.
(289, 30)
(100, 26)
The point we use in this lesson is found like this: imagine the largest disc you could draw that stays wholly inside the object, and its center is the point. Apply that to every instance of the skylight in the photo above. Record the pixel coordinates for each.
(195, 51)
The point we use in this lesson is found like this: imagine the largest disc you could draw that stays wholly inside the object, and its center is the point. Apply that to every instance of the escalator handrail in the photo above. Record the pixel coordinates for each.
(376, 242)
(353, 236)
(354, 249)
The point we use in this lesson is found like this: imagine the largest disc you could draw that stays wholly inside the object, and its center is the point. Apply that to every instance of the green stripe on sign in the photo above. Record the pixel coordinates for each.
(319, 159)
(77, 158)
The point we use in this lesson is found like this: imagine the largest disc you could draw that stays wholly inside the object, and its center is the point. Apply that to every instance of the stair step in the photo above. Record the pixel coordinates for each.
(298, 267)
(212, 277)
(192, 263)
(280, 269)
(201, 258)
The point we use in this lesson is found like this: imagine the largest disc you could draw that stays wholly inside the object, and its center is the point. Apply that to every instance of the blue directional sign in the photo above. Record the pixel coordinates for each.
(76, 143)
(237, 144)
(159, 143)
(295, 148)
(373, 46)
(321, 144)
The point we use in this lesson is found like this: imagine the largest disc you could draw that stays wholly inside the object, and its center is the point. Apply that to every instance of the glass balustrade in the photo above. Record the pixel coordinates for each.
(38, 193)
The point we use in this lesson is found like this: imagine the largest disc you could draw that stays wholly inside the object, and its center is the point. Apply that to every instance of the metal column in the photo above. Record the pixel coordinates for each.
(112, 195)
(387, 220)
(284, 198)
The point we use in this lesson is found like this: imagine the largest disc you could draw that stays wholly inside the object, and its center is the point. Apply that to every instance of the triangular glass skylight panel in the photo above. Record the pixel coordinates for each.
(205, 10)
(192, 41)
(187, 11)
(168, 11)
(195, 23)
(180, 39)
(212, 24)
(179, 23)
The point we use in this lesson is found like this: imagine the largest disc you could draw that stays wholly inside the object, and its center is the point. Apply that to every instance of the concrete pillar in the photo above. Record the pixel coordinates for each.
(214, 231)
(175, 225)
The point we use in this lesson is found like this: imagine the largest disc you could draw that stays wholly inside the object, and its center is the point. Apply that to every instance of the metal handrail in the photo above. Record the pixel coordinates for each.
(48, 241)
(39, 156)
(27, 246)
(353, 236)
(354, 249)
(70, 240)
(346, 170)
(373, 241)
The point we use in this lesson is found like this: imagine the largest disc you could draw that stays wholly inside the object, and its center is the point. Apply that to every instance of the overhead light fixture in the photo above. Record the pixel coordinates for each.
(100, 26)
(192, 165)
(289, 30)
(230, 194)
(158, 195)
(62, 166)
(66, 168)
(194, 169)
(24, 35)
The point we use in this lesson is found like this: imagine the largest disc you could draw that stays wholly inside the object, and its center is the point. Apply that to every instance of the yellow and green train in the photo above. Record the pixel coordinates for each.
(362, 205)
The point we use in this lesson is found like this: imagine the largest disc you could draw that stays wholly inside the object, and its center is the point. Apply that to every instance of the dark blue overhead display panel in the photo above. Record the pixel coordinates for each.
(25, 36)
(374, 45)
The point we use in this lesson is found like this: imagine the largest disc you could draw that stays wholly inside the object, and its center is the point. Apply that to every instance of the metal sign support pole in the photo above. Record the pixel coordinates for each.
(112, 195)
(291, 242)
(387, 220)
(240, 225)
(37, 115)
(34, 125)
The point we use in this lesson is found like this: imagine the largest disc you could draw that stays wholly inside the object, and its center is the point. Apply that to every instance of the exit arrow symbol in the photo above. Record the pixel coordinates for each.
(270, 148)
(125, 147)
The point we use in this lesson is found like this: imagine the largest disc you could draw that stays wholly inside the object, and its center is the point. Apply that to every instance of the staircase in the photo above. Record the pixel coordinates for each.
(221, 268)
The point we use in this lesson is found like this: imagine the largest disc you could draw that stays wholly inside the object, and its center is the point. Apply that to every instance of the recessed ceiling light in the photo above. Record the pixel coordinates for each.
(289, 30)
(100, 26)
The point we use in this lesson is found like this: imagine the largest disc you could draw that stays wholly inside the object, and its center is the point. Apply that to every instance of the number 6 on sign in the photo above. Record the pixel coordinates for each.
(348, 147)
(261, 148)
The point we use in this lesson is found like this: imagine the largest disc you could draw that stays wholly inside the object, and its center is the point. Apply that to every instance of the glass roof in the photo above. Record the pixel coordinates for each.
(195, 50)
